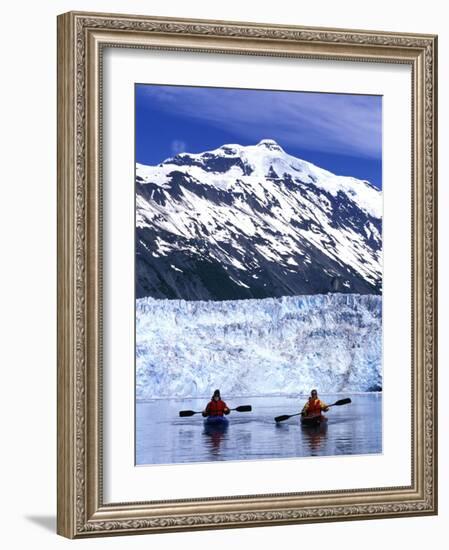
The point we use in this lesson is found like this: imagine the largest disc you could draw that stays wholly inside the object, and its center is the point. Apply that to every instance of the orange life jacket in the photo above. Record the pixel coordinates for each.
(314, 406)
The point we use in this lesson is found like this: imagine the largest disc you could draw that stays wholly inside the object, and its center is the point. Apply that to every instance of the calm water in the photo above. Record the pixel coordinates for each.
(162, 437)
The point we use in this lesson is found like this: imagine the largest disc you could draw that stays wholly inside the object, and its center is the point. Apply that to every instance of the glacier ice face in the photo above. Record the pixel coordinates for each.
(269, 346)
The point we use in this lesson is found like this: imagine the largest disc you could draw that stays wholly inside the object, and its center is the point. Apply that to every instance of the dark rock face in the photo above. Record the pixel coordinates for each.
(250, 236)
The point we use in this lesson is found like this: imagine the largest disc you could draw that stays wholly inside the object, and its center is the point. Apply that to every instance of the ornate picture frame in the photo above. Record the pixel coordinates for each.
(82, 508)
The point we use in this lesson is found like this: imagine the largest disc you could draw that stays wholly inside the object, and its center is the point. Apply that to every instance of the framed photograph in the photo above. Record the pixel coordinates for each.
(246, 274)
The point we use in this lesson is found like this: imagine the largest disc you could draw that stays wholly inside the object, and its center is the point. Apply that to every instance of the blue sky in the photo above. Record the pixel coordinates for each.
(339, 132)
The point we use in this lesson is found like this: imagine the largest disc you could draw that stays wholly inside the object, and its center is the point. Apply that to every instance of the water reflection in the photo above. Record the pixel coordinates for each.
(315, 437)
(244, 443)
(162, 437)
(214, 435)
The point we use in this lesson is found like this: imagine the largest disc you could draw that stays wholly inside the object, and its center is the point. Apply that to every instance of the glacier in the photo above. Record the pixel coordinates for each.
(270, 346)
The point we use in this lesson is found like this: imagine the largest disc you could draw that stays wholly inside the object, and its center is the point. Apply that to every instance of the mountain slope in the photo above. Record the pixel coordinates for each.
(253, 222)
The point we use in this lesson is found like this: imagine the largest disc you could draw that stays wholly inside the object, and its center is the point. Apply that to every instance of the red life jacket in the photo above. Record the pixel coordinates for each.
(216, 408)
(314, 406)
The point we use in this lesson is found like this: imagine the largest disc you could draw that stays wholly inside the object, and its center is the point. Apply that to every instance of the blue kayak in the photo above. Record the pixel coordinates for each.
(216, 422)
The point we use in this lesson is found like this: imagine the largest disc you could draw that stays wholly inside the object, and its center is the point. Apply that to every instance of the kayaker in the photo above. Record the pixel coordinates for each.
(216, 406)
(314, 406)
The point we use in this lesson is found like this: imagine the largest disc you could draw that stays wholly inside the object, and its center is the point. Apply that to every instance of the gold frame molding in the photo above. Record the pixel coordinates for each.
(81, 510)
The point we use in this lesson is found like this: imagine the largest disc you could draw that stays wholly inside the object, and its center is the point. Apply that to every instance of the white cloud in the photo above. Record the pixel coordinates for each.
(334, 123)
(178, 146)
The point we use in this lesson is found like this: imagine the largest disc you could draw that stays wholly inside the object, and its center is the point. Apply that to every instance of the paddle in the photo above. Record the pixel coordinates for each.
(336, 404)
(241, 409)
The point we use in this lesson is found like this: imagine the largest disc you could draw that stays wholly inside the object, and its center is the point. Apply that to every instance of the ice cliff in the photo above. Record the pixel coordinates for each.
(250, 347)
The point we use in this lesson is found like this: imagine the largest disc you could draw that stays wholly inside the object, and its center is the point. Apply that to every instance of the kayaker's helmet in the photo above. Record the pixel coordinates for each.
(314, 393)
(216, 394)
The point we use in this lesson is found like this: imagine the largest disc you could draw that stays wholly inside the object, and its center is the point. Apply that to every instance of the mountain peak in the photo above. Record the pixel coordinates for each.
(252, 221)
(270, 144)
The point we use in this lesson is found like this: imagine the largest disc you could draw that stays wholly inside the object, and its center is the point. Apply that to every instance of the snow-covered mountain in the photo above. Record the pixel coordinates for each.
(274, 346)
(254, 222)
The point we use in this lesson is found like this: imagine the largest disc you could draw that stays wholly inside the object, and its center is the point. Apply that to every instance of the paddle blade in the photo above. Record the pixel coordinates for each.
(244, 408)
(282, 417)
(343, 401)
(186, 413)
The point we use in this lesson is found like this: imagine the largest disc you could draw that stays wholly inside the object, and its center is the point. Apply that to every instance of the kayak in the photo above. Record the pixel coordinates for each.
(315, 420)
(216, 422)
